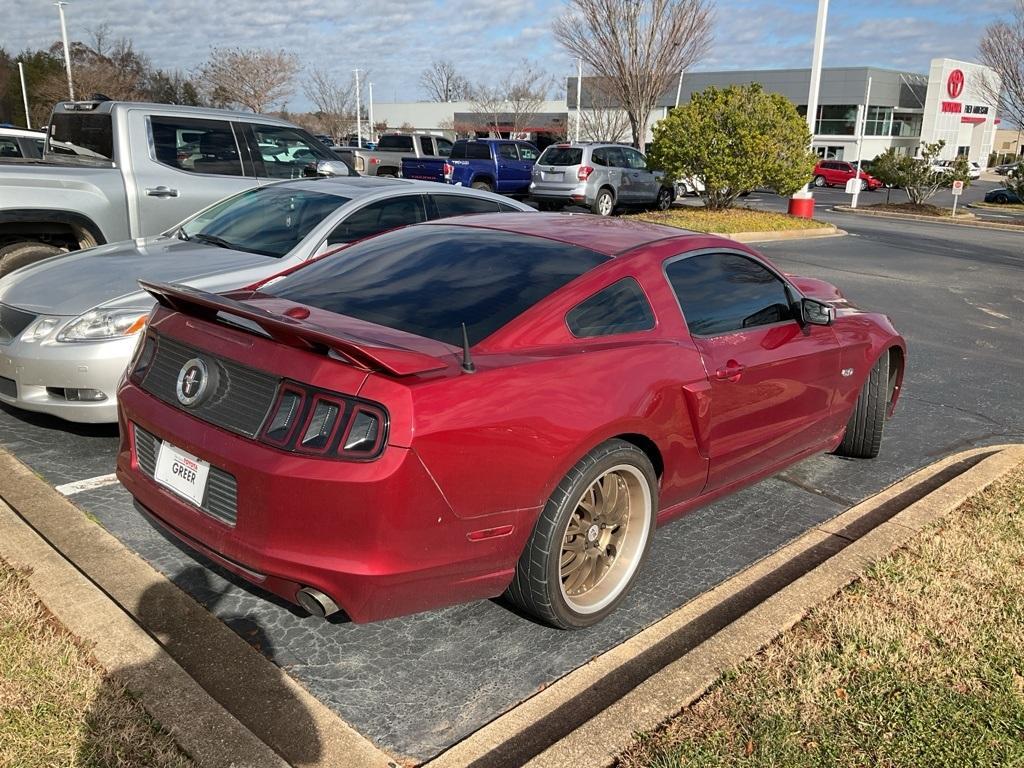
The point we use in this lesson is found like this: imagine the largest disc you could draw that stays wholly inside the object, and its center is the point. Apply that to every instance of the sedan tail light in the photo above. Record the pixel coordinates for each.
(584, 172)
(321, 423)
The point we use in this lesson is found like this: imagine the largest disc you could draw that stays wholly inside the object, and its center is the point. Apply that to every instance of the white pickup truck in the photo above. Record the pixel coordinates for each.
(139, 170)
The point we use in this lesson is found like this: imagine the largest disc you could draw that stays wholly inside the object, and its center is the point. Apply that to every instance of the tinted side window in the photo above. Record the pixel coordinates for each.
(458, 150)
(86, 134)
(286, 152)
(622, 307)
(724, 292)
(426, 145)
(9, 148)
(616, 158)
(457, 205)
(635, 160)
(477, 151)
(508, 152)
(526, 152)
(395, 143)
(196, 146)
(379, 217)
(444, 147)
(599, 156)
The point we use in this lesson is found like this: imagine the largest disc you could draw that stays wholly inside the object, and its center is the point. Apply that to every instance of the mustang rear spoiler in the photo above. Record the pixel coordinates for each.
(293, 332)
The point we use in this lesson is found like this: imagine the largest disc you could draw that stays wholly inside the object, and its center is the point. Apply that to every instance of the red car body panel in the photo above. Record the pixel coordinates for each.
(444, 513)
(843, 172)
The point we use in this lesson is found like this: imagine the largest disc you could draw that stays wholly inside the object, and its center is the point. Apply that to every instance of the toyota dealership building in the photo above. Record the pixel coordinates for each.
(905, 109)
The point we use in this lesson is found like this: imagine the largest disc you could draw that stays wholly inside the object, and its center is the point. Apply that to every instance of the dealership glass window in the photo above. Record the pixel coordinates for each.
(622, 307)
(878, 121)
(726, 292)
(834, 119)
(907, 124)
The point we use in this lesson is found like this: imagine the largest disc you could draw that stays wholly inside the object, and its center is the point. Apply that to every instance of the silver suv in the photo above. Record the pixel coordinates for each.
(599, 176)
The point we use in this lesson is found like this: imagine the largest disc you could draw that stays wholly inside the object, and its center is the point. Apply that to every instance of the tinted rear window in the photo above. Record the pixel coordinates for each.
(470, 150)
(88, 133)
(400, 143)
(561, 156)
(428, 280)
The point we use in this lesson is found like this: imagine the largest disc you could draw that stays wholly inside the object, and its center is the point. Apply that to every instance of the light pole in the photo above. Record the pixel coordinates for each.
(359, 114)
(860, 143)
(67, 51)
(24, 95)
(579, 93)
(371, 112)
(802, 203)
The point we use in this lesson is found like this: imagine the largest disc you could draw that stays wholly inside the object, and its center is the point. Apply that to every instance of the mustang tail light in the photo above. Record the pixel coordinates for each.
(321, 423)
(584, 172)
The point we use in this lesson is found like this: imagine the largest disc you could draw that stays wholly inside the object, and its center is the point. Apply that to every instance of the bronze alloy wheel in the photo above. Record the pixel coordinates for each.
(605, 539)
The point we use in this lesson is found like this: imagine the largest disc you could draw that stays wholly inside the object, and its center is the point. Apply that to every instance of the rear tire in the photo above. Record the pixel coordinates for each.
(863, 436)
(819, 181)
(604, 203)
(17, 255)
(482, 185)
(664, 201)
(590, 540)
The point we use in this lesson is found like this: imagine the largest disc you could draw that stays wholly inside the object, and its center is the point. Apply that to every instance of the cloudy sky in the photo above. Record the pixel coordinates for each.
(396, 39)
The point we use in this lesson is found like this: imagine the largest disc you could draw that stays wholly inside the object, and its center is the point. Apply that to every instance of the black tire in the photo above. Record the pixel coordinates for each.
(664, 200)
(604, 203)
(549, 205)
(17, 255)
(819, 181)
(537, 586)
(863, 436)
(482, 185)
(387, 173)
(1003, 199)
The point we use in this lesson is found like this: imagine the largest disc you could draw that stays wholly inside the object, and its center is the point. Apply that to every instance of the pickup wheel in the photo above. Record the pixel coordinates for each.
(863, 437)
(482, 185)
(387, 173)
(17, 255)
(590, 539)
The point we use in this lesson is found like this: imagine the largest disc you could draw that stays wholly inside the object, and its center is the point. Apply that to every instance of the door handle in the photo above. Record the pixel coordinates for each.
(161, 191)
(731, 372)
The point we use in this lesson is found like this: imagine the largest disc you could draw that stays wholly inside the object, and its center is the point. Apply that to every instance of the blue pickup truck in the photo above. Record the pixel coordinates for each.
(496, 165)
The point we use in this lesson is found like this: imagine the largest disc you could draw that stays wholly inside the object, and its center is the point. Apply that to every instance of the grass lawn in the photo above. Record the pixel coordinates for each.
(729, 221)
(921, 663)
(57, 707)
(1012, 207)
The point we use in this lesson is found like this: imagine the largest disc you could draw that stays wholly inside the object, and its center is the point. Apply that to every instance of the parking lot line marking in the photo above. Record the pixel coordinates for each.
(88, 484)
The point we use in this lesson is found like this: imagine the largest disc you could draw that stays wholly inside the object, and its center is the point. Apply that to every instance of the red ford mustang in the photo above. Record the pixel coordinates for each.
(487, 405)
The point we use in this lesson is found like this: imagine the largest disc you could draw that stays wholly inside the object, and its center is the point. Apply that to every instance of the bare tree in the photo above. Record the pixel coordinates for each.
(442, 83)
(333, 101)
(1002, 49)
(487, 105)
(524, 91)
(252, 78)
(601, 119)
(639, 47)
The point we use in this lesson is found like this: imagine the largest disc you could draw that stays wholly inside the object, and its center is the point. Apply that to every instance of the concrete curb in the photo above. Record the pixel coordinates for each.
(830, 230)
(653, 675)
(601, 739)
(930, 219)
(136, 602)
(199, 725)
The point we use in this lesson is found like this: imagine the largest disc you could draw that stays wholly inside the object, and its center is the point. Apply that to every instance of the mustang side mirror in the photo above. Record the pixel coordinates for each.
(326, 168)
(816, 313)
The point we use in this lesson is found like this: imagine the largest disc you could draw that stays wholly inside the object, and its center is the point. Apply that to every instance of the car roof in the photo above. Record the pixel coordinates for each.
(611, 237)
(25, 133)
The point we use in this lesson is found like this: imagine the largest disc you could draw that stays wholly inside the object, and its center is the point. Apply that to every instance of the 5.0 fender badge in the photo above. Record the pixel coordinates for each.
(847, 372)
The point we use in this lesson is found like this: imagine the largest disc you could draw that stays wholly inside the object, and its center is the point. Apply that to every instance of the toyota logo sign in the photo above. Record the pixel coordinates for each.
(955, 83)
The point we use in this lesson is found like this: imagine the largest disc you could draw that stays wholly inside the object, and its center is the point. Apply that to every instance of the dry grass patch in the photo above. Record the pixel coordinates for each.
(921, 663)
(925, 209)
(1011, 207)
(728, 221)
(57, 706)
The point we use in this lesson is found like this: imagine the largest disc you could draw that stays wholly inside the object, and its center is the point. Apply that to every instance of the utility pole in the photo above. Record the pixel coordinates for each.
(371, 131)
(679, 88)
(802, 203)
(860, 142)
(67, 51)
(359, 114)
(24, 95)
(579, 94)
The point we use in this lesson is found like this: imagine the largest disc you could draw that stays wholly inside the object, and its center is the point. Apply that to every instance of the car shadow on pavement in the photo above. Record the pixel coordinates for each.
(227, 664)
(45, 421)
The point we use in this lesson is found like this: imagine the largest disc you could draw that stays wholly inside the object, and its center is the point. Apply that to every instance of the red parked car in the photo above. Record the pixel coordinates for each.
(835, 173)
(487, 405)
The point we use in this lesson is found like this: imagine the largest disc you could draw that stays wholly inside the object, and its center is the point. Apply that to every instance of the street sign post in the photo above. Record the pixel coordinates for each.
(958, 189)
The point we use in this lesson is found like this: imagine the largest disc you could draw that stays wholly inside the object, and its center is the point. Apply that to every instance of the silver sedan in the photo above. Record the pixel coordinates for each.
(68, 325)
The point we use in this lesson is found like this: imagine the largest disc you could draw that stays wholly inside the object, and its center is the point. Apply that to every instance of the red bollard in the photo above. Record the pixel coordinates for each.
(802, 207)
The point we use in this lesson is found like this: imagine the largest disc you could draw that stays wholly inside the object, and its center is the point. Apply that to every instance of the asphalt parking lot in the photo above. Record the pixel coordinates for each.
(418, 684)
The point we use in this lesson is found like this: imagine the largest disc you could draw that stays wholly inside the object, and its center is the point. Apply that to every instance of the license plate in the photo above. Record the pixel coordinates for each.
(550, 176)
(182, 472)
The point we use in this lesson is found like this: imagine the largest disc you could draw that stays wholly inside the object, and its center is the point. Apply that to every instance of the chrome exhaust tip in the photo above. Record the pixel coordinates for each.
(316, 602)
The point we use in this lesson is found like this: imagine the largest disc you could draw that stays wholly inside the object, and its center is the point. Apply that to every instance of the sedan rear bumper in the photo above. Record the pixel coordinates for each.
(47, 377)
